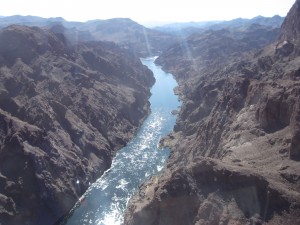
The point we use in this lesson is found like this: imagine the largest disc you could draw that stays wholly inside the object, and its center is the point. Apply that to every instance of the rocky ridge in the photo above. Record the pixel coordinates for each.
(235, 147)
(142, 41)
(239, 24)
(128, 34)
(65, 110)
(138, 39)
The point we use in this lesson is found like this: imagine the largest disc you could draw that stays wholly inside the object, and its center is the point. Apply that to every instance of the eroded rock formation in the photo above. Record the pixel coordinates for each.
(235, 147)
(64, 111)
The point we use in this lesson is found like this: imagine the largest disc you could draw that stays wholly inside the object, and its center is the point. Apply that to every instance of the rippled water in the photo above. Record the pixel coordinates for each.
(105, 201)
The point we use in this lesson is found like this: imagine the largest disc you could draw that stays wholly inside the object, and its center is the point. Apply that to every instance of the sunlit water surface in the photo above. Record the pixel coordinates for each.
(105, 201)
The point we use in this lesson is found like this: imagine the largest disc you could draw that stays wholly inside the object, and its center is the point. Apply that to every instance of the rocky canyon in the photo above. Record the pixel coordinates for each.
(72, 94)
(65, 109)
(235, 147)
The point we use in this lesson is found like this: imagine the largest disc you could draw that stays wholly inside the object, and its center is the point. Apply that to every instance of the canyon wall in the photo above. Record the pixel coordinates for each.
(65, 109)
(235, 148)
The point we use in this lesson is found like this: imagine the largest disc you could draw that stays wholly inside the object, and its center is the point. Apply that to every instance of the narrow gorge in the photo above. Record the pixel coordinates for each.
(105, 201)
(235, 146)
(65, 110)
(92, 132)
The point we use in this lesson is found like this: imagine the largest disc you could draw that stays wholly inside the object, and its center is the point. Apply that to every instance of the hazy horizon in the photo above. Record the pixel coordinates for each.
(145, 12)
(149, 24)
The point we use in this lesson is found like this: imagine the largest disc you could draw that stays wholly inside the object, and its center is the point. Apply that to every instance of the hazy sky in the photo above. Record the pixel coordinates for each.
(146, 10)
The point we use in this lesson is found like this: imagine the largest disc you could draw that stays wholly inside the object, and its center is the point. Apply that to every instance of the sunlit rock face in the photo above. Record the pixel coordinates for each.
(64, 111)
(235, 147)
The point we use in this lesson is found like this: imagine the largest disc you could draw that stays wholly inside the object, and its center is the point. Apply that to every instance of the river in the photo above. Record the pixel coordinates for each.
(105, 201)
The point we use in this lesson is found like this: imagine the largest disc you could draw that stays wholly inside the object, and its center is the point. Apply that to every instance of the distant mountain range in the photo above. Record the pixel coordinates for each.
(129, 34)
(236, 24)
(34, 21)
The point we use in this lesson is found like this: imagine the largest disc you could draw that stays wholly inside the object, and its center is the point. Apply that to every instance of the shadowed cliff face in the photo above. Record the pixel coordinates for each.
(235, 148)
(291, 26)
(64, 111)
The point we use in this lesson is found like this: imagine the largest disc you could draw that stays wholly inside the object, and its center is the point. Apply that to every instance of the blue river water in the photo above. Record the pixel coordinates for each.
(105, 201)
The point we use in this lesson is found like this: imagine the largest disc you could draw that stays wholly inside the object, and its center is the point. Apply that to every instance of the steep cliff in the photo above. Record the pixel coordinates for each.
(235, 148)
(64, 111)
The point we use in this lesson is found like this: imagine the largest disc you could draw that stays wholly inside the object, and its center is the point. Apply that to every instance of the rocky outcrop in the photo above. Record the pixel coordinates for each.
(64, 111)
(210, 192)
(291, 26)
(235, 147)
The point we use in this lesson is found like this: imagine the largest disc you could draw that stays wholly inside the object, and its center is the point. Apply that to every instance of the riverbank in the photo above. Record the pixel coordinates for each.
(65, 109)
(235, 147)
(105, 201)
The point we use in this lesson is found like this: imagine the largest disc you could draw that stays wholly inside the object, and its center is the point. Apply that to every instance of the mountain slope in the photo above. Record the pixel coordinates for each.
(235, 148)
(136, 38)
(64, 111)
(130, 35)
(291, 27)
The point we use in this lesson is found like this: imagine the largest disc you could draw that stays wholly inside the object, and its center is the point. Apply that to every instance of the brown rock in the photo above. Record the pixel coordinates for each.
(295, 127)
(235, 147)
(290, 29)
(64, 112)
(207, 192)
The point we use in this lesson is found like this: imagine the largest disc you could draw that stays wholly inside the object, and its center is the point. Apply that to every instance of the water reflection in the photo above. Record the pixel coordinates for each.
(105, 201)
